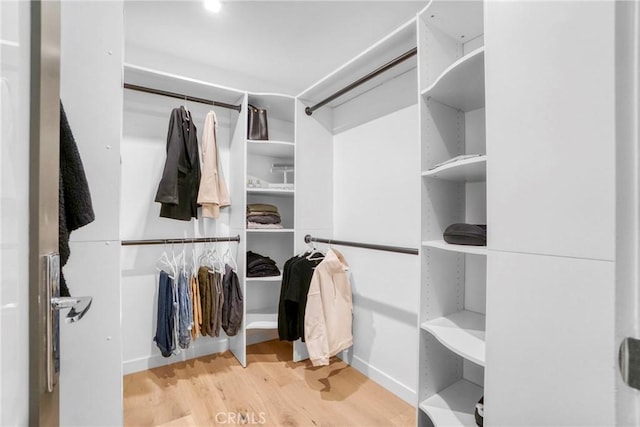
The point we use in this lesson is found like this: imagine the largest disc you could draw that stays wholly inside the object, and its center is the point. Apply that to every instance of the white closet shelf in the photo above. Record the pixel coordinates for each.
(460, 20)
(453, 406)
(280, 149)
(468, 170)
(279, 106)
(441, 244)
(461, 332)
(270, 191)
(156, 79)
(262, 319)
(461, 85)
(265, 279)
(270, 230)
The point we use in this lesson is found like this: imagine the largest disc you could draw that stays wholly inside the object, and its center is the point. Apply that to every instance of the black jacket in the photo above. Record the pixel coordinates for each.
(178, 188)
(75, 209)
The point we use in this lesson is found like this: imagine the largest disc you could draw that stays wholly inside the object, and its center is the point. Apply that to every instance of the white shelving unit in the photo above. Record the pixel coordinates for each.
(270, 230)
(277, 244)
(453, 277)
(270, 191)
(467, 170)
(262, 320)
(462, 333)
(461, 85)
(265, 279)
(454, 406)
(463, 249)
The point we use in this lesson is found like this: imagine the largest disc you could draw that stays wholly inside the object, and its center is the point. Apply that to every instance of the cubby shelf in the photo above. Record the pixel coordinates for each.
(265, 279)
(466, 249)
(279, 149)
(270, 230)
(453, 406)
(462, 333)
(461, 85)
(467, 170)
(270, 191)
(263, 319)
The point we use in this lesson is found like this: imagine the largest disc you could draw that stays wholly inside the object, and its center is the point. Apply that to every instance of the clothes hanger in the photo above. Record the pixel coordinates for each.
(232, 262)
(164, 263)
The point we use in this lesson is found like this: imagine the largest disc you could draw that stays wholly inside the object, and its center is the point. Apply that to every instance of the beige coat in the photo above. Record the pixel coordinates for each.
(329, 312)
(213, 193)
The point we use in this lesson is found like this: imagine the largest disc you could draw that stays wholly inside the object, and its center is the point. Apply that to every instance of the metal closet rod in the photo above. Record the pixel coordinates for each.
(408, 54)
(238, 108)
(411, 251)
(185, 240)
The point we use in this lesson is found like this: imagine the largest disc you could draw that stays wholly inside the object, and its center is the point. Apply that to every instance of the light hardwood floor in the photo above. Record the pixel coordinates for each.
(271, 391)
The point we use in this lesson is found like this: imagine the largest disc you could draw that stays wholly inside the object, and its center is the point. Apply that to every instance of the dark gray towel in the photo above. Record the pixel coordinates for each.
(75, 207)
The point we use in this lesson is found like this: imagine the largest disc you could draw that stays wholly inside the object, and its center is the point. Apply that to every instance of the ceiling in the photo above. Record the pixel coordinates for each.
(259, 46)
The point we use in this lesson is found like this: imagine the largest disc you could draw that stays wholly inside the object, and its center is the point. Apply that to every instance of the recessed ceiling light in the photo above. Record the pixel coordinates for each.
(213, 5)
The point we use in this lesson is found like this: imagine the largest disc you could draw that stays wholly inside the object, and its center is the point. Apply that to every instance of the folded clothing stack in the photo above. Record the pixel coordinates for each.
(263, 216)
(261, 266)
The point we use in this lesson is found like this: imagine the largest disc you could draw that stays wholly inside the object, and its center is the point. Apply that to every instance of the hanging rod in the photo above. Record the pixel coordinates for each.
(186, 240)
(408, 54)
(411, 251)
(181, 96)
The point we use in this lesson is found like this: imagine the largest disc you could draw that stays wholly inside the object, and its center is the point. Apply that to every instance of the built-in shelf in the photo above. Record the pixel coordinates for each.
(461, 85)
(157, 79)
(473, 169)
(453, 406)
(265, 279)
(462, 333)
(270, 230)
(266, 319)
(270, 191)
(279, 149)
(441, 244)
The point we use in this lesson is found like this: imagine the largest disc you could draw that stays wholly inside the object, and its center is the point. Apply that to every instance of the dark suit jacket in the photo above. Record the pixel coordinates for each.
(178, 188)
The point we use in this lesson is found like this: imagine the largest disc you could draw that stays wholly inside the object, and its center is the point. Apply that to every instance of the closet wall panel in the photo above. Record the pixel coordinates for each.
(145, 124)
(91, 69)
(551, 136)
(376, 200)
(552, 362)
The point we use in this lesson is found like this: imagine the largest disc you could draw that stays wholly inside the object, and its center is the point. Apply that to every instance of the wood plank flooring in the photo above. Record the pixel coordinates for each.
(272, 391)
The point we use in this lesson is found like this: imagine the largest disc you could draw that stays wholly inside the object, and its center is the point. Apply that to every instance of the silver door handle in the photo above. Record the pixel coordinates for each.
(79, 306)
(629, 361)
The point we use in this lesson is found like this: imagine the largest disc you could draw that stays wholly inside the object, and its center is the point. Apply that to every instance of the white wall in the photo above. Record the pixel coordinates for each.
(91, 69)
(14, 208)
(376, 198)
(145, 121)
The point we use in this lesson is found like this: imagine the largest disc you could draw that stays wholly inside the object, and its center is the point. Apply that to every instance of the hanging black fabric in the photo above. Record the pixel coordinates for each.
(296, 279)
(75, 209)
(233, 307)
(178, 188)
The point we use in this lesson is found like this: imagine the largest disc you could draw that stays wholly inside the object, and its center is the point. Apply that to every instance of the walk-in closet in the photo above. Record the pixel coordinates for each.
(298, 213)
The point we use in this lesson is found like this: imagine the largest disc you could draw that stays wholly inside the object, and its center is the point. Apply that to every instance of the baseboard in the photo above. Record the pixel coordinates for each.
(155, 360)
(394, 386)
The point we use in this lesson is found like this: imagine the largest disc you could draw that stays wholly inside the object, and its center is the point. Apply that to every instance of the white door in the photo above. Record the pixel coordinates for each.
(15, 31)
(628, 212)
(29, 170)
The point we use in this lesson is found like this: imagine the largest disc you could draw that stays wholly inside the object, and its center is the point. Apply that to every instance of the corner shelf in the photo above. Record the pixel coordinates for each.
(270, 191)
(467, 170)
(453, 406)
(461, 85)
(263, 319)
(466, 249)
(462, 333)
(279, 149)
(266, 279)
(270, 230)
